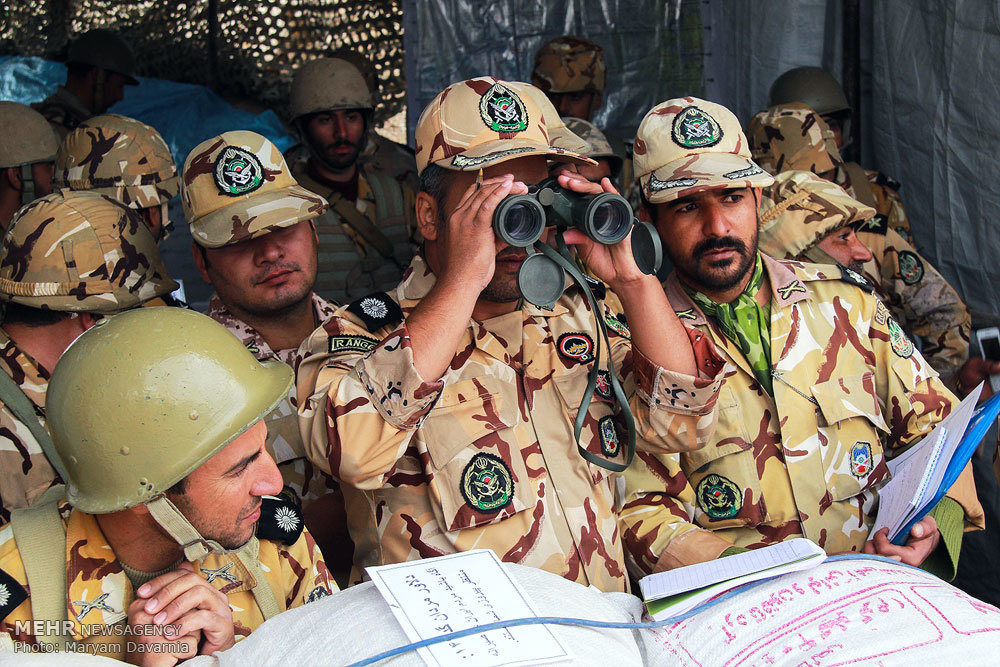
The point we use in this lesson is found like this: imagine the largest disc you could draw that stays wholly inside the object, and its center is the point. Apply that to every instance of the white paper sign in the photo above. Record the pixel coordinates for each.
(437, 596)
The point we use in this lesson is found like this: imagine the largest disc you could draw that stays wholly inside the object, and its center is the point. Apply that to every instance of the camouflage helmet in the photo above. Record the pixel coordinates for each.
(80, 251)
(569, 64)
(237, 186)
(133, 405)
(105, 50)
(325, 84)
(687, 145)
(480, 122)
(559, 135)
(118, 157)
(27, 138)
(597, 145)
(792, 136)
(813, 86)
(800, 209)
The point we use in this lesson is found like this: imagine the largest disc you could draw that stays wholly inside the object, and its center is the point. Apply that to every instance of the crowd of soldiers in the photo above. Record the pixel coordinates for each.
(369, 386)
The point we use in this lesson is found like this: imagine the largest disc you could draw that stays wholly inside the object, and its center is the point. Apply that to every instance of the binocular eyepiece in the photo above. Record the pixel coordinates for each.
(520, 220)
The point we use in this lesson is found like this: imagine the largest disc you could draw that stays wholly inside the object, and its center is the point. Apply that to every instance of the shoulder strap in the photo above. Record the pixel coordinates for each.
(388, 195)
(22, 408)
(362, 225)
(262, 591)
(860, 184)
(41, 540)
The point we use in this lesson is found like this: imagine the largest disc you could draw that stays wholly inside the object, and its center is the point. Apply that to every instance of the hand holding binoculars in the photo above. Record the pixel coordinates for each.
(606, 218)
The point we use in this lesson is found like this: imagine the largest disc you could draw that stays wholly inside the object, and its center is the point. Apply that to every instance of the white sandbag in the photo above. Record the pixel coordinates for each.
(847, 610)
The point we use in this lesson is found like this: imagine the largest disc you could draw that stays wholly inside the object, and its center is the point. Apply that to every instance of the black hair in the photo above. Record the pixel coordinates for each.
(434, 181)
(16, 313)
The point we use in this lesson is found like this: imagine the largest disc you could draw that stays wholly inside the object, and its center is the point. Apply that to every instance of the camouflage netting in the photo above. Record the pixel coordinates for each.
(256, 48)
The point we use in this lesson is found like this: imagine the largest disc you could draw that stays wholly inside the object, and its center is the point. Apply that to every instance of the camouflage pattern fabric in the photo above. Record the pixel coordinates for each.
(284, 443)
(570, 64)
(485, 455)
(508, 123)
(25, 471)
(921, 300)
(63, 110)
(687, 145)
(99, 592)
(560, 135)
(885, 198)
(237, 186)
(118, 157)
(80, 251)
(849, 391)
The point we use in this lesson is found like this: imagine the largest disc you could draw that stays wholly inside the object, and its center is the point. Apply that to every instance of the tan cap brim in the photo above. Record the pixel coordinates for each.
(565, 138)
(702, 171)
(263, 213)
(501, 150)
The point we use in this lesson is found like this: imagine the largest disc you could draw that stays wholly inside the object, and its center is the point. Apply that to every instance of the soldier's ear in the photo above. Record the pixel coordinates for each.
(12, 176)
(200, 261)
(427, 216)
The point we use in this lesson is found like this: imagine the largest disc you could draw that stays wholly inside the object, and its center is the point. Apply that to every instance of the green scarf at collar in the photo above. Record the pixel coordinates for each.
(746, 323)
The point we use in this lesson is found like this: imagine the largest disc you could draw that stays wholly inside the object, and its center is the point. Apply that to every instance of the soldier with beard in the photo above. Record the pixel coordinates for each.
(820, 388)
(368, 235)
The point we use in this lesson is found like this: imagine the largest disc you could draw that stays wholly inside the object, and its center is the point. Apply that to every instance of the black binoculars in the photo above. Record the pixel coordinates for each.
(520, 220)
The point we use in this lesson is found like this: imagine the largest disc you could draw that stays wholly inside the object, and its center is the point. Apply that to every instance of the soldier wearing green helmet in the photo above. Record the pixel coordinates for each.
(98, 67)
(169, 517)
(69, 259)
(369, 234)
(26, 156)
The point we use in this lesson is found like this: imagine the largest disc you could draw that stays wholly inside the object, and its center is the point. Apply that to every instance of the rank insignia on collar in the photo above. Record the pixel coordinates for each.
(12, 594)
(376, 311)
(487, 484)
(97, 603)
(852, 277)
(603, 385)
(878, 224)
(901, 344)
(280, 519)
(861, 459)
(694, 128)
(610, 444)
(223, 573)
(911, 269)
(786, 291)
(719, 497)
(576, 346)
(686, 314)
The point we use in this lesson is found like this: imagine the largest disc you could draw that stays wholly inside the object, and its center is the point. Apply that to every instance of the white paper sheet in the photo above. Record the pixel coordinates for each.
(437, 596)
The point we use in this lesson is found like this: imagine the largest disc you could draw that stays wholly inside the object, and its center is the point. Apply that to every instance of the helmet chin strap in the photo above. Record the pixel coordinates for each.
(195, 547)
(27, 185)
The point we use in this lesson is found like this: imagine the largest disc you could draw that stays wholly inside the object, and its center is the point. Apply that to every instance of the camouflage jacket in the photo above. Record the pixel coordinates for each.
(99, 592)
(884, 197)
(63, 110)
(919, 297)
(283, 440)
(25, 472)
(485, 455)
(849, 391)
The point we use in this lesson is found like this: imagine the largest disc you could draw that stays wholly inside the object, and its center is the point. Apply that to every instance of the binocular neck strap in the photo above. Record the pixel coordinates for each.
(562, 258)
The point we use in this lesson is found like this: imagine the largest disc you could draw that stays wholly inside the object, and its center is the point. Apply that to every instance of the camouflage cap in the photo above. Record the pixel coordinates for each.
(687, 145)
(597, 145)
(570, 64)
(80, 251)
(800, 208)
(481, 122)
(236, 186)
(792, 136)
(560, 136)
(325, 84)
(27, 137)
(118, 157)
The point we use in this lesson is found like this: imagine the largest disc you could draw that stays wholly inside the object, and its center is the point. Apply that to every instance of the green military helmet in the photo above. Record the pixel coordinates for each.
(80, 251)
(813, 86)
(105, 50)
(145, 397)
(27, 138)
(327, 84)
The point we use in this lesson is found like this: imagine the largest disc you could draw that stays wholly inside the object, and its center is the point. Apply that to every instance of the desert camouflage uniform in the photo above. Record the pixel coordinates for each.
(284, 442)
(849, 390)
(792, 136)
(99, 592)
(63, 110)
(25, 472)
(485, 456)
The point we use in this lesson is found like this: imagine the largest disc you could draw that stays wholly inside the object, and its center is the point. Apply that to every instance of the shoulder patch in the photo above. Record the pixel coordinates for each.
(852, 277)
(911, 268)
(879, 224)
(376, 311)
(12, 594)
(599, 289)
(280, 519)
(337, 344)
(901, 344)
